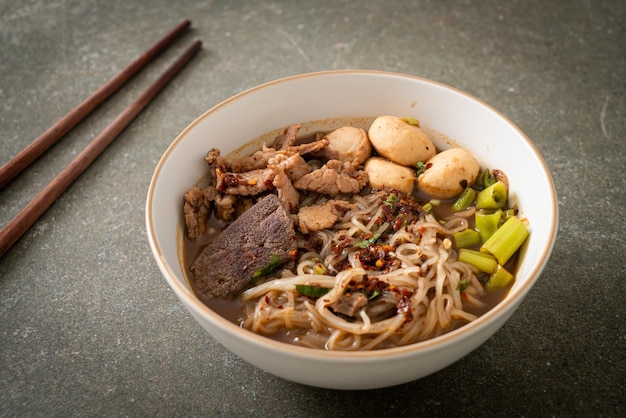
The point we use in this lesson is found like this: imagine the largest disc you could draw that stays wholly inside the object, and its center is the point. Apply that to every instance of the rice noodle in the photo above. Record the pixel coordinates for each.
(420, 299)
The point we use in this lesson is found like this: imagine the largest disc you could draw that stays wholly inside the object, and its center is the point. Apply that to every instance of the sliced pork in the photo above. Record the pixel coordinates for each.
(318, 217)
(333, 178)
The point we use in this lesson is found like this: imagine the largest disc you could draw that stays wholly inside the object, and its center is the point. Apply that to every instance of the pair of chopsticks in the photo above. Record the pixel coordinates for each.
(27, 216)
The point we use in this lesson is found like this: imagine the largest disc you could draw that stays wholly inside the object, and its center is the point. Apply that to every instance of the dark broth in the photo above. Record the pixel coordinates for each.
(233, 310)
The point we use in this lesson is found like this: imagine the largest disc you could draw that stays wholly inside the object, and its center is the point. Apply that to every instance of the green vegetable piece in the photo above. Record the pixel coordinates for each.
(374, 293)
(420, 168)
(268, 268)
(466, 238)
(427, 207)
(465, 199)
(493, 197)
(463, 284)
(364, 243)
(312, 291)
(509, 213)
(482, 261)
(411, 121)
(391, 199)
(485, 179)
(487, 223)
(506, 240)
(499, 279)
(319, 268)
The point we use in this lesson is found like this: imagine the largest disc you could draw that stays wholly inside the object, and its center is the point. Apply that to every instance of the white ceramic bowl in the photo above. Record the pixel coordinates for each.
(332, 97)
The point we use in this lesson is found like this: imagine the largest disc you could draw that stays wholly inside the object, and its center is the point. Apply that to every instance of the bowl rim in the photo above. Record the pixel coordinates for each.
(503, 308)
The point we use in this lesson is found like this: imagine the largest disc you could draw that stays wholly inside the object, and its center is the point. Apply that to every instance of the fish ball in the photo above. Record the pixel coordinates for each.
(347, 144)
(400, 141)
(448, 173)
(384, 174)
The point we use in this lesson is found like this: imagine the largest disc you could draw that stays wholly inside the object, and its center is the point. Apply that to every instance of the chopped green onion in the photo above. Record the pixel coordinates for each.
(466, 238)
(463, 284)
(312, 291)
(421, 167)
(487, 223)
(482, 261)
(427, 207)
(493, 197)
(374, 293)
(499, 279)
(268, 268)
(435, 202)
(391, 199)
(364, 243)
(506, 240)
(465, 199)
(411, 121)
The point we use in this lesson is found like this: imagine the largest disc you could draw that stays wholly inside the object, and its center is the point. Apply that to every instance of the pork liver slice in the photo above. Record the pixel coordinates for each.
(226, 266)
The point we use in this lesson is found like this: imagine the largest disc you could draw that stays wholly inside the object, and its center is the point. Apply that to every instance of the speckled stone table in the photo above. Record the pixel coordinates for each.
(88, 325)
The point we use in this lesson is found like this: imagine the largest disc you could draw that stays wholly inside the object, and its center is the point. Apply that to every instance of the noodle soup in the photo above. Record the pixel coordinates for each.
(390, 267)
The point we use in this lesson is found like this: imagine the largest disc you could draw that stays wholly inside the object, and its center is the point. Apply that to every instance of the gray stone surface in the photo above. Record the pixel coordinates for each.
(88, 325)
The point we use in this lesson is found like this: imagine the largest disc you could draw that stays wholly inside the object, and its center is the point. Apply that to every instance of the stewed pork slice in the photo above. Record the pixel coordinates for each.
(247, 183)
(307, 147)
(294, 166)
(317, 217)
(229, 206)
(282, 145)
(286, 192)
(260, 158)
(216, 163)
(198, 204)
(287, 139)
(333, 178)
(262, 238)
(225, 206)
(281, 169)
(255, 161)
(288, 169)
(197, 212)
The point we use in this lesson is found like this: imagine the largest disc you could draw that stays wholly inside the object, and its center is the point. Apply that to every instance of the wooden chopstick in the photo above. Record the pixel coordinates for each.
(29, 154)
(27, 217)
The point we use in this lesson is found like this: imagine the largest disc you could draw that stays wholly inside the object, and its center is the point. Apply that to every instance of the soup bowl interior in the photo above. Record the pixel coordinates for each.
(324, 101)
